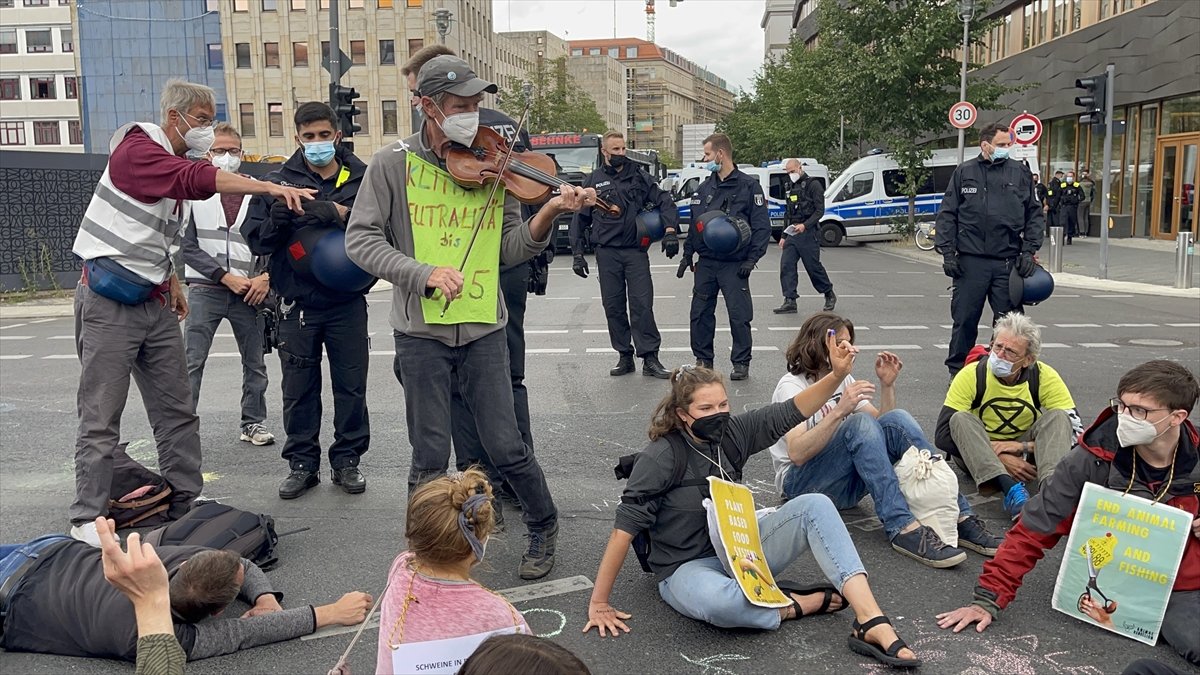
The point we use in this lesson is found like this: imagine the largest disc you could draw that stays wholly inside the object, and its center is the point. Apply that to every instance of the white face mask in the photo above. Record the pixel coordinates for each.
(227, 162)
(461, 127)
(198, 140)
(795, 176)
(1000, 367)
(1131, 431)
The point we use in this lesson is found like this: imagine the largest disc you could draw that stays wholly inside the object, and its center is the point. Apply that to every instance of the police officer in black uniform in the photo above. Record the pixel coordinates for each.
(623, 263)
(988, 223)
(805, 206)
(1051, 205)
(313, 315)
(1070, 194)
(739, 195)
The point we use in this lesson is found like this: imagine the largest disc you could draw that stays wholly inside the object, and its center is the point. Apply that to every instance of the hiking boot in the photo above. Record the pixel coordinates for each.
(740, 371)
(350, 479)
(297, 483)
(701, 363)
(788, 307)
(652, 367)
(86, 532)
(624, 365)
(830, 301)
(973, 534)
(256, 434)
(539, 559)
(1014, 500)
(924, 546)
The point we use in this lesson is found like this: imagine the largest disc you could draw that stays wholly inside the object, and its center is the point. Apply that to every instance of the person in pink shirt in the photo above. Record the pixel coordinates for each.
(430, 596)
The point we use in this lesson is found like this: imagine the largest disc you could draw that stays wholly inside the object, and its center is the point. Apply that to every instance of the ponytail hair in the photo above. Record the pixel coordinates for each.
(433, 529)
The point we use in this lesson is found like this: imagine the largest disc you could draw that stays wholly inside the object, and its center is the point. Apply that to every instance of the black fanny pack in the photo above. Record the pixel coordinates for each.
(110, 279)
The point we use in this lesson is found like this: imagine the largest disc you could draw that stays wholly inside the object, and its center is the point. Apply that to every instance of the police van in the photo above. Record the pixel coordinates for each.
(773, 179)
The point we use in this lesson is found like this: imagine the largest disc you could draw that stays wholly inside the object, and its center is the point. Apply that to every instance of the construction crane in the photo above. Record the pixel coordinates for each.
(650, 18)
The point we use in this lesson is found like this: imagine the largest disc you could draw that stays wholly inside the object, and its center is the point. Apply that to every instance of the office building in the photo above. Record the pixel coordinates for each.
(39, 85)
(777, 27)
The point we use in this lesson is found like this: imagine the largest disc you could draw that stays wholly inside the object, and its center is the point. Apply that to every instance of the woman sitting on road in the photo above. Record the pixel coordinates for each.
(847, 449)
(691, 579)
(430, 594)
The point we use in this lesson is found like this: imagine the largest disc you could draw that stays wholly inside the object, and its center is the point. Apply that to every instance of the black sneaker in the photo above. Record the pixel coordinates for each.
(297, 483)
(539, 559)
(924, 546)
(740, 371)
(973, 534)
(350, 479)
(624, 366)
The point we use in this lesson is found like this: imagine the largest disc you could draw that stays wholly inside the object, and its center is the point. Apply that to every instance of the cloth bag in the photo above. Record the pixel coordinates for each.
(931, 490)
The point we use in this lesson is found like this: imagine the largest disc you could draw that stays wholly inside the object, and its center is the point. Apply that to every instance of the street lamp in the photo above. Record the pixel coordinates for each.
(442, 18)
(966, 10)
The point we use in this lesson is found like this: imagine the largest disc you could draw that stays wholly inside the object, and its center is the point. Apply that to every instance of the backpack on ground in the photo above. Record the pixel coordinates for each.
(624, 469)
(138, 496)
(978, 355)
(214, 525)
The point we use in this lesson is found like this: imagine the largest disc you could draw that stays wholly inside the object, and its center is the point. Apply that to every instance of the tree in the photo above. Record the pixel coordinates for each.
(558, 104)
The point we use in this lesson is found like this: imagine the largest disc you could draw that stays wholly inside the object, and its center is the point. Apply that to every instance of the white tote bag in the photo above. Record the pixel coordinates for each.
(931, 490)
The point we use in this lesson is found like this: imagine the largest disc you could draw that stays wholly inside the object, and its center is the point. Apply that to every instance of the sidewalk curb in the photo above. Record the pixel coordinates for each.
(1063, 279)
(63, 308)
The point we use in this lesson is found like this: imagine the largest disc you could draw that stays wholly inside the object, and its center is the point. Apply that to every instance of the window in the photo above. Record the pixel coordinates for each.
(66, 37)
(614, 52)
(243, 54)
(275, 119)
(390, 119)
(298, 5)
(412, 3)
(8, 41)
(324, 4)
(594, 51)
(576, 52)
(41, 88)
(356, 4)
(631, 52)
(6, 3)
(212, 5)
(361, 118)
(415, 45)
(12, 133)
(10, 89)
(324, 51)
(71, 86)
(241, 5)
(270, 5)
(387, 52)
(46, 133)
(358, 52)
(778, 186)
(300, 54)
(74, 132)
(222, 115)
(246, 119)
(215, 60)
(38, 41)
(271, 54)
(385, 4)
(861, 184)
(37, 3)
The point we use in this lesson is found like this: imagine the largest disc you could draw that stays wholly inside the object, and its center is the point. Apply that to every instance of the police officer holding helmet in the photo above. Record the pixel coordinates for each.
(730, 234)
(989, 223)
(620, 242)
(321, 303)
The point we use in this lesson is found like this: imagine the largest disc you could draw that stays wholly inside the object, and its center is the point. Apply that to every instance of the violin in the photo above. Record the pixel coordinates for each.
(529, 176)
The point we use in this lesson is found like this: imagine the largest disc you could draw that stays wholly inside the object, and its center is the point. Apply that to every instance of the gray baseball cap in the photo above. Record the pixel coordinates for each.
(451, 74)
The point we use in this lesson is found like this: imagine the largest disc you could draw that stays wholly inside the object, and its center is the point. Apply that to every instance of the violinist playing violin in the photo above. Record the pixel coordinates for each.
(440, 240)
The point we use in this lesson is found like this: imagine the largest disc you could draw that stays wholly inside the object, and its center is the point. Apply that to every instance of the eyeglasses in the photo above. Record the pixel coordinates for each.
(1136, 412)
(202, 122)
(1009, 354)
(221, 152)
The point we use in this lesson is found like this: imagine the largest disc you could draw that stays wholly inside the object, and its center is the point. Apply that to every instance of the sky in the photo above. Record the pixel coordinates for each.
(723, 36)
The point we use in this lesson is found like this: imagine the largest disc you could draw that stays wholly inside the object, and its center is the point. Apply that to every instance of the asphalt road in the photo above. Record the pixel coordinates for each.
(583, 419)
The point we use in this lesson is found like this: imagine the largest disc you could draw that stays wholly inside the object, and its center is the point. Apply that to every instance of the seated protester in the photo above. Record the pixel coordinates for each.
(691, 578)
(58, 602)
(847, 449)
(430, 594)
(1142, 445)
(527, 654)
(1015, 424)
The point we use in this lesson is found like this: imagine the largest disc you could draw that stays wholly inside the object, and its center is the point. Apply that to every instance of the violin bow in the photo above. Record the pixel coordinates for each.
(527, 90)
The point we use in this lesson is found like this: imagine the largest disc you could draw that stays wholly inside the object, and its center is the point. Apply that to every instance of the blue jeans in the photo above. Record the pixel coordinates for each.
(859, 460)
(208, 306)
(13, 556)
(700, 589)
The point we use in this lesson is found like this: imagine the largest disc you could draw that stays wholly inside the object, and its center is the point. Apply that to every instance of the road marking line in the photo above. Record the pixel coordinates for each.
(945, 295)
(1066, 295)
(901, 295)
(1055, 345)
(13, 325)
(888, 347)
(548, 350)
(229, 355)
(797, 328)
(60, 356)
(14, 357)
(664, 297)
(42, 321)
(62, 337)
(872, 272)
(1097, 344)
(855, 296)
(1077, 325)
(559, 297)
(16, 337)
(904, 327)
(941, 346)
(1184, 325)
(1112, 296)
(1134, 325)
(910, 272)
(547, 332)
(762, 296)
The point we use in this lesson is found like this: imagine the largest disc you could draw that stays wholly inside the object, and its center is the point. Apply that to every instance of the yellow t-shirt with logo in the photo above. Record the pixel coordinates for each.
(1006, 410)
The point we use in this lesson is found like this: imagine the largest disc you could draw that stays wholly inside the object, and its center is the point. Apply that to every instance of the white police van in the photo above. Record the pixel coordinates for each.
(774, 181)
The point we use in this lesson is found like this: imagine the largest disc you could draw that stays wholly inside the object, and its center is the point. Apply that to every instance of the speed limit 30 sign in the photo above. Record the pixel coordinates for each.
(962, 115)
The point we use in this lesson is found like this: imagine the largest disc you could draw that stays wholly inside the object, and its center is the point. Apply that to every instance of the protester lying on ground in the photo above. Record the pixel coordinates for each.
(847, 449)
(1142, 445)
(430, 594)
(58, 602)
(1009, 417)
(525, 654)
(691, 578)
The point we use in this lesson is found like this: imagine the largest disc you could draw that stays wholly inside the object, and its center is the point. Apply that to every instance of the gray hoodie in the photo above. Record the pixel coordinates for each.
(382, 206)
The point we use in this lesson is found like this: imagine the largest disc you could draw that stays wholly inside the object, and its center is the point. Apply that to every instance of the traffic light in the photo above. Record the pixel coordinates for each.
(1094, 101)
(342, 101)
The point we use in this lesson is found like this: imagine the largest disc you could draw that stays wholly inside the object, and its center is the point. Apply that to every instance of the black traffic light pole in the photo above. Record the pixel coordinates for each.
(341, 99)
(1098, 102)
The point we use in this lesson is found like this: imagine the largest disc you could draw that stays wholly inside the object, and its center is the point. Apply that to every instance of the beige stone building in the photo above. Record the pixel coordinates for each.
(39, 85)
(603, 78)
(273, 53)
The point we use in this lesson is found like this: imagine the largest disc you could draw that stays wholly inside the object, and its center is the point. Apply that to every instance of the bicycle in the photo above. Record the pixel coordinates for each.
(924, 236)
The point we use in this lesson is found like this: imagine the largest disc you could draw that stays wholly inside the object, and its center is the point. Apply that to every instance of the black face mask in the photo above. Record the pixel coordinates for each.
(617, 161)
(711, 428)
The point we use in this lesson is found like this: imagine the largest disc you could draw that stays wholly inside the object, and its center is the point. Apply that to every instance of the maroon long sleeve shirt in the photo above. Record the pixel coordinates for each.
(144, 170)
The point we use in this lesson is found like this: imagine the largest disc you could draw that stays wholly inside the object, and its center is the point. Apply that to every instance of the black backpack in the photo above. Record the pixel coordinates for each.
(128, 476)
(219, 526)
(624, 469)
(981, 372)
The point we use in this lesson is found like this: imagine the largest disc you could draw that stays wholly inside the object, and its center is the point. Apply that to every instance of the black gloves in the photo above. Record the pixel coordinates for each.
(320, 213)
(684, 265)
(580, 266)
(281, 215)
(1025, 265)
(746, 268)
(670, 244)
(950, 266)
